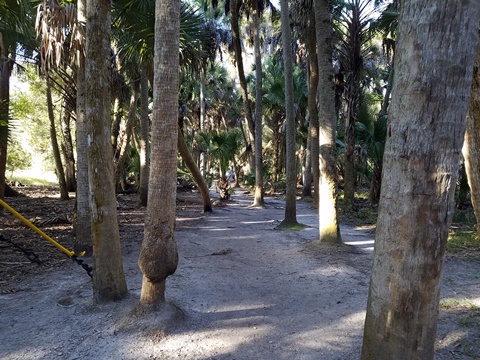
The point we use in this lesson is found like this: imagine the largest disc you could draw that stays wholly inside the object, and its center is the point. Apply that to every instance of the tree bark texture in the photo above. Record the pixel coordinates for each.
(196, 173)
(329, 230)
(471, 147)
(144, 139)
(123, 143)
(312, 104)
(434, 59)
(291, 169)
(83, 235)
(68, 151)
(158, 255)
(108, 276)
(55, 148)
(6, 66)
(258, 198)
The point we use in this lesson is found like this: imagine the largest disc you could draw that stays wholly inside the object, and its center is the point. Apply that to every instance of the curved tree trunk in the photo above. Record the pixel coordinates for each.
(158, 254)
(471, 147)
(327, 186)
(291, 169)
(56, 150)
(144, 139)
(431, 91)
(108, 277)
(123, 143)
(258, 198)
(234, 11)
(82, 223)
(197, 175)
(68, 153)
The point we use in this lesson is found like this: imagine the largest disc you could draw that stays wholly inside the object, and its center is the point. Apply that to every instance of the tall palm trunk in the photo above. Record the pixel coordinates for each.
(291, 168)
(68, 152)
(327, 185)
(5, 72)
(108, 276)
(258, 198)
(83, 235)
(53, 138)
(312, 104)
(471, 147)
(424, 142)
(234, 13)
(123, 144)
(144, 139)
(158, 255)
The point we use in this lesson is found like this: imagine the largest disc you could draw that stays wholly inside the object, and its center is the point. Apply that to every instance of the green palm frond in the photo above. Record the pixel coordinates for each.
(134, 30)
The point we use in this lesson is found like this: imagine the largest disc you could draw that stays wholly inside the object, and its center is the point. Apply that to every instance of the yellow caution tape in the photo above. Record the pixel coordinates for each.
(38, 231)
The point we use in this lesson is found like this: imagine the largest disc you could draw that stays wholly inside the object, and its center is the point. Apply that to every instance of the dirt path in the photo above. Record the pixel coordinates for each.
(243, 290)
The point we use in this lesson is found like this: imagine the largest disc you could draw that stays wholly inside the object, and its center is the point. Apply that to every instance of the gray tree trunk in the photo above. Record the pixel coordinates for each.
(291, 168)
(234, 14)
(6, 66)
(144, 139)
(327, 186)
(68, 151)
(82, 224)
(431, 90)
(196, 174)
(108, 276)
(55, 148)
(471, 147)
(258, 198)
(158, 255)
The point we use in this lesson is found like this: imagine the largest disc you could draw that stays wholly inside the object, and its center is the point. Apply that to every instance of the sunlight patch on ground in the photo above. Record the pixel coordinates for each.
(337, 339)
(257, 222)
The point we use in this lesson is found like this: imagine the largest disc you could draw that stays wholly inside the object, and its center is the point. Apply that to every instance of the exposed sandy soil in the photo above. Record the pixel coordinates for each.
(243, 290)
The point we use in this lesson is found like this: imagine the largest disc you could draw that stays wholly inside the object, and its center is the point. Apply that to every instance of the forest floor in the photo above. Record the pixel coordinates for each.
(242, 290)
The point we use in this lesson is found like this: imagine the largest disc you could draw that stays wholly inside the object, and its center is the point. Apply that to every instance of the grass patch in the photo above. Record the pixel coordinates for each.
(30, 180)
(462, 239)
(451, 303)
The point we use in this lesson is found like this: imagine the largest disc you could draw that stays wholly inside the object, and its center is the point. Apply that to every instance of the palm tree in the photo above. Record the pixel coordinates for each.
(353, 29)
(471, 146)
(108, 277)
(158, 255)
(290, 219)
(425, 135)
(15, 32)
(327, 186)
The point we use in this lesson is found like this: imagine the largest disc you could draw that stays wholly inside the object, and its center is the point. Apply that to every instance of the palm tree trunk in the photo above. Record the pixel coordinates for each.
(327, 186)
(197, 175)
(419, 175)
(56, 150)
(82, 223)
(312, 105)
(258, 198)
(5, 72)
(108, 277)
(234, 11)
(471, 146)
(291, 168)
(158, 254)
(124, 144)
(68, 153)
(144, 140)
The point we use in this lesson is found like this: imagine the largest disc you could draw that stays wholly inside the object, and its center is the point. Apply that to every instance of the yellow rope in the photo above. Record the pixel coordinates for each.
(38, 231)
